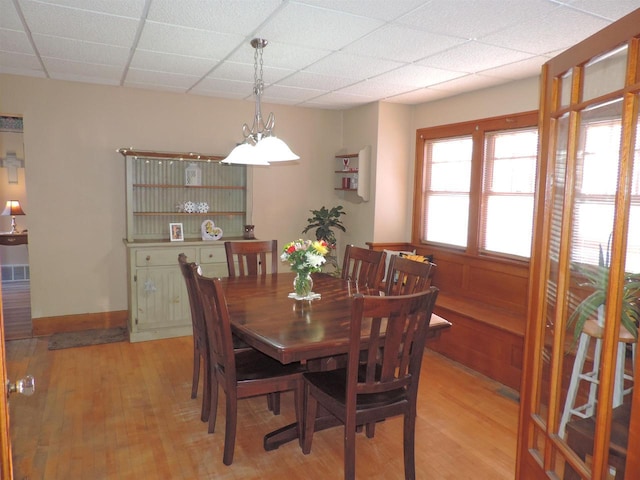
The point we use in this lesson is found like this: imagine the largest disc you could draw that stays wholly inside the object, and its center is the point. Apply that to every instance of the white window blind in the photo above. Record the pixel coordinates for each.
(447, 186)
(508, 191)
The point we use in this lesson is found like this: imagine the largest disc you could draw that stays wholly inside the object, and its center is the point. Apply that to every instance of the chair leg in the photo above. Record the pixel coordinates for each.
(230, 428)
(371, 429)
(196, 372)
(273, 402)
(298, 401)
(409, 447)
(349, 451)
(310, 411)
(206, 392)
(213, 411)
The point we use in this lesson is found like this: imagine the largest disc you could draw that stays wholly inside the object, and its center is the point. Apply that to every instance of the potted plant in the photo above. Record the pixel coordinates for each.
(597, 277)
(324, 221)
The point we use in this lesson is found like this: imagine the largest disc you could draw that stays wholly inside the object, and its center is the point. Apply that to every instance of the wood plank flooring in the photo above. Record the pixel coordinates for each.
(123, 411)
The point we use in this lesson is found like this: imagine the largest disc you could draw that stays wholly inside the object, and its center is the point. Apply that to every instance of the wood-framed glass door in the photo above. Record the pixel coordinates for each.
(586, 246)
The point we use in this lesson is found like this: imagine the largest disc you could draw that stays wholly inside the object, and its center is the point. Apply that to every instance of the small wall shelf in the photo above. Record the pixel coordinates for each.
(352, 172)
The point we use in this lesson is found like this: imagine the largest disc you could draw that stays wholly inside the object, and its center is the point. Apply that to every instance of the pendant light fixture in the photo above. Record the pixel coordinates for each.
(260, 145)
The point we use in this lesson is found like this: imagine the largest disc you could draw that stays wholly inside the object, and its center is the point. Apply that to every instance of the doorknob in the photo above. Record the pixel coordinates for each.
(25, 386)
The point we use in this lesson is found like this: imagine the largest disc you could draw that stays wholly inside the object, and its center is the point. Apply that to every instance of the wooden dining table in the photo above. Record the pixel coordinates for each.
(314, 332)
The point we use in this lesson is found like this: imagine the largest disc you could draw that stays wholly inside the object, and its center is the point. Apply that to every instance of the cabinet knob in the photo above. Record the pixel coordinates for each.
(148, 257)
(211, 255)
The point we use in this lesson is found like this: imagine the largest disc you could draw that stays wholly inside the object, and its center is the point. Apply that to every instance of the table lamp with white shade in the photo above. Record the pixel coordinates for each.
(13, 208)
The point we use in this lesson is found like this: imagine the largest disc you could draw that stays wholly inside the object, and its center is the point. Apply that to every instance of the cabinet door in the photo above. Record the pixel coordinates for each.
(162, 299)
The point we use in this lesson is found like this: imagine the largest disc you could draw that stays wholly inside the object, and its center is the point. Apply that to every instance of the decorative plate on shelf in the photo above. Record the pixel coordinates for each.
(210, 231)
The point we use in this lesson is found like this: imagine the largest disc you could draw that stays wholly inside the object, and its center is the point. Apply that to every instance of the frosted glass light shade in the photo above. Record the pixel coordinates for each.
(245, 154)
(272, 149)
(267, 150)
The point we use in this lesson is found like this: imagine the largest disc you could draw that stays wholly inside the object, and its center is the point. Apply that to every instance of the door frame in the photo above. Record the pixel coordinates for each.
(531, 457)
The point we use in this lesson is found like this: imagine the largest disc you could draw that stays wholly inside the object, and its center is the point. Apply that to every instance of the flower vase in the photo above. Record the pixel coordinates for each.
(303, 284)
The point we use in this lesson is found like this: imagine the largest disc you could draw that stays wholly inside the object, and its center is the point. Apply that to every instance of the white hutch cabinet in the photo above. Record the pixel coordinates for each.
(158, 185)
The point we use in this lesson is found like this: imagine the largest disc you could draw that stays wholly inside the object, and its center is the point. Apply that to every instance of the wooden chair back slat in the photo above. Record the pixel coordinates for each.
(407, 276)
(252, 258)
(362, 266)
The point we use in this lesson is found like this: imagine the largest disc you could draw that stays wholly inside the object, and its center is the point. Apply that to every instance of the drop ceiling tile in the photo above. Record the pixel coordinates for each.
(65, 69)
(123, 8)
(548, 33)
(609, 10)
(236, 17)
(395, 42)
(245, 72)
(316, 27)
(78, 51)
(421, 95)
(472, 18)
(224, 88)
(20, 64)
(467, 83)
(14, 41)
(375, 88)
(281, 55)
(48, 19)
(316, 81)
(158, 37)
(340, 99)
(473, 57)
(351, 66)
(417, 76)
(160, 78)
(9, 18)
(525, 68)
(380, 9)
(279, 92)
(170, 63)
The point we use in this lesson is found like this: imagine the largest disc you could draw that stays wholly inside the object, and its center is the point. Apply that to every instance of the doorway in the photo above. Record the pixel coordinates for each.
(14, 252)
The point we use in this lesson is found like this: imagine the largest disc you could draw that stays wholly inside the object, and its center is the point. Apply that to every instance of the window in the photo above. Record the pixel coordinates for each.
(596, 184)
(508, 188)
(477, 183)
(447, 194)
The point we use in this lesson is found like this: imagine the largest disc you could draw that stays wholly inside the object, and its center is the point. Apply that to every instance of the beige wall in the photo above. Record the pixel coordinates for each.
(360, 130)
(394, 169)
(75, 178)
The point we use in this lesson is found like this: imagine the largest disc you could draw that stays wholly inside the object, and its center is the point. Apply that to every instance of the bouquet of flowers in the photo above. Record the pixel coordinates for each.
(305, 256)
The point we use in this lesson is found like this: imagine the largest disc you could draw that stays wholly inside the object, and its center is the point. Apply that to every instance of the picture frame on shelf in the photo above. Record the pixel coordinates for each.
(176, 232)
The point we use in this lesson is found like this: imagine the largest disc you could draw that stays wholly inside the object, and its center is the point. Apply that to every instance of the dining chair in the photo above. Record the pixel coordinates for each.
(363, 266)
(406, 276)
(200, 357)
(250, 258)
(199, 337)
(241, 374)
(385, 385)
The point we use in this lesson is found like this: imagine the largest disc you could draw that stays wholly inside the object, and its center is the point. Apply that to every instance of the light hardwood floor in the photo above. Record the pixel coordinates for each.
(123, 411)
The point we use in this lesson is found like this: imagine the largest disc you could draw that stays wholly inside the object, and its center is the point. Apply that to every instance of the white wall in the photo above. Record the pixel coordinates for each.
(75, 178)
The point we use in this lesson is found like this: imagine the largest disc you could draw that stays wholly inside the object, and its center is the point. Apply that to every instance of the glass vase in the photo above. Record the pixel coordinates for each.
(303, 284)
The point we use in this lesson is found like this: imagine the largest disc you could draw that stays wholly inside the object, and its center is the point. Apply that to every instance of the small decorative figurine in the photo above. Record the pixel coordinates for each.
(248, 232)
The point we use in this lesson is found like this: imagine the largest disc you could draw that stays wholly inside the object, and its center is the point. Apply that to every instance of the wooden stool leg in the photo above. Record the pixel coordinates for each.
(578, 364)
